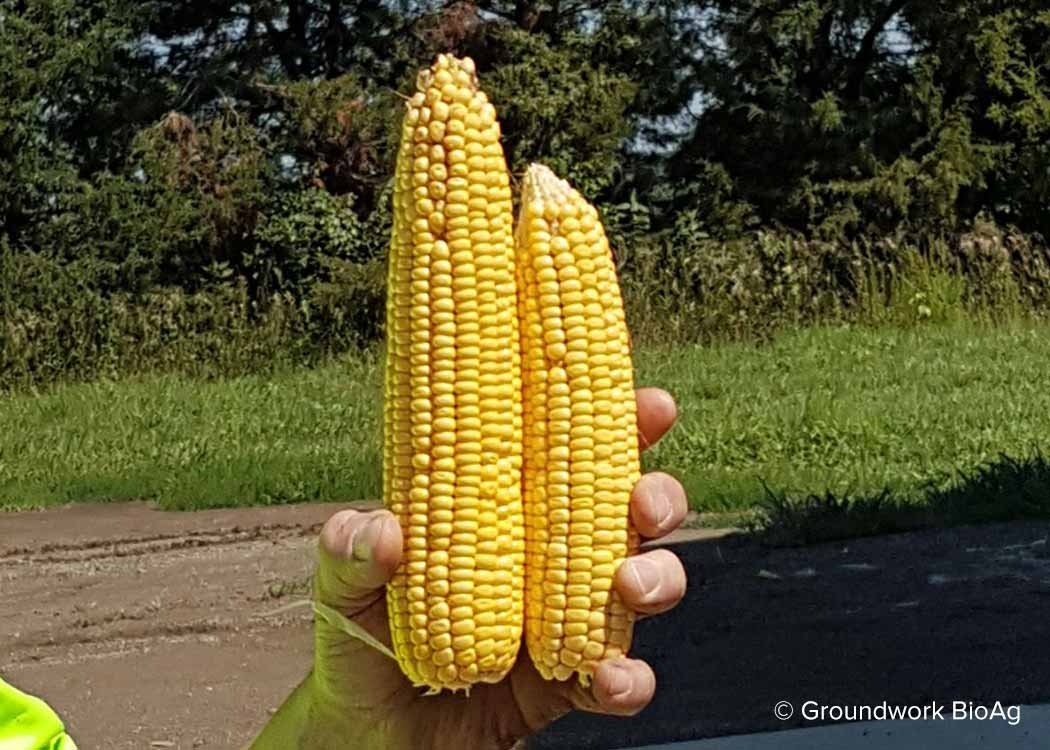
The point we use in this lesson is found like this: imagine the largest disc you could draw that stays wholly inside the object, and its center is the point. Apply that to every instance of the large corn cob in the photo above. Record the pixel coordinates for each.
(581, 445)
(452, 416)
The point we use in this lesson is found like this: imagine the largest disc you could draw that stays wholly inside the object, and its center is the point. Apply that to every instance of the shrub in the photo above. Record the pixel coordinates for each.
(55, 327)
(681, 285)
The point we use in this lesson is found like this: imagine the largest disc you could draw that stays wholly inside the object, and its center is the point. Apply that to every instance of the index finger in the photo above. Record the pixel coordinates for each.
(656, 413)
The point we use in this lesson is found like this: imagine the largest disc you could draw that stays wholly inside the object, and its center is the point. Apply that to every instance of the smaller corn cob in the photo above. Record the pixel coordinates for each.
(581, 446)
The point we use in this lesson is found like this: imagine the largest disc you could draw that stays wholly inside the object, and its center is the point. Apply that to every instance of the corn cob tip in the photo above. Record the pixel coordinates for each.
(551, 196)
(449, 76)
(540, 175)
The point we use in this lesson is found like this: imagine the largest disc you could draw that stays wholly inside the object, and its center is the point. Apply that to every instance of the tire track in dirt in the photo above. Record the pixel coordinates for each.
(67, 585)
(105, 548)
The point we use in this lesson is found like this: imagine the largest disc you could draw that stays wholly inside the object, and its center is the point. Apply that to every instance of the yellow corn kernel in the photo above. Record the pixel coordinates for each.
(580, 432)
(452, 414)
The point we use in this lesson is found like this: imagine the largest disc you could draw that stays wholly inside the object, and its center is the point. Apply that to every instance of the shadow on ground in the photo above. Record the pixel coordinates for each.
(1007, 489)
(952, 614)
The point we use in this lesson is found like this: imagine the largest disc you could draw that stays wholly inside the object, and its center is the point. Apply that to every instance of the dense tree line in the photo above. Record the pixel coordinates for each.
(191, 145)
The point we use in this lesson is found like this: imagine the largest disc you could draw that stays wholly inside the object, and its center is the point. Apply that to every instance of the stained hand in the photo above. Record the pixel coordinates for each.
(357, 697)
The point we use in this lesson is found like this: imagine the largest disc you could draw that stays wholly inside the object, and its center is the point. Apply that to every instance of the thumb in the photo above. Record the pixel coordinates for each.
(358, 554)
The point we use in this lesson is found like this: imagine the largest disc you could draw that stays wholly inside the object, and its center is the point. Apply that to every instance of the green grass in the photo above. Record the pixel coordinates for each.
(307, 435)
(826, 412)
(852, 411)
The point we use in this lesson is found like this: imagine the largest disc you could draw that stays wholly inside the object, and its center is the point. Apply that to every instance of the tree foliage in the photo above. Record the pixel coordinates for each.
(863, 114)
(181, 145)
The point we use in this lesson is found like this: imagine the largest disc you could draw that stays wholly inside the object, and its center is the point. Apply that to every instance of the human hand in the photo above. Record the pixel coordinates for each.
(357, 697)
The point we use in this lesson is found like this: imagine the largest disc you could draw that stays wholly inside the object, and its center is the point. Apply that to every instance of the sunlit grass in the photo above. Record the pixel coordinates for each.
(304, 435)
(850, 411)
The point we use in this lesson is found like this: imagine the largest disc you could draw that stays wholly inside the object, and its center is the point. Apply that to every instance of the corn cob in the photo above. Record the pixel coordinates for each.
(452, 408)
(581, 446)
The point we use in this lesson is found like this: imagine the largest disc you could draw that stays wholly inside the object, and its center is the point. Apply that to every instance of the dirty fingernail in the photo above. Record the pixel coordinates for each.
(367, 537)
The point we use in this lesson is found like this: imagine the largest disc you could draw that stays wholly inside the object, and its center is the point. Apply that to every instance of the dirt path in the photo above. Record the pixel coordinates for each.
(145, 630)
(144, 627)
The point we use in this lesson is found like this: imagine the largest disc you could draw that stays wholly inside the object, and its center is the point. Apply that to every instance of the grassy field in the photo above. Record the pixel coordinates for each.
(846, 411)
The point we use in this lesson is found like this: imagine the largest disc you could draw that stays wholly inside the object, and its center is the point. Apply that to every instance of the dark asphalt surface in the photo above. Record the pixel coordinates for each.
(943, 615)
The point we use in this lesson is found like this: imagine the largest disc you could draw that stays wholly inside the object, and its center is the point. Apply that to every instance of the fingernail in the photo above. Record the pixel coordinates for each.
(367, 537)
(646, 576)
(660, 507)
(619, 681)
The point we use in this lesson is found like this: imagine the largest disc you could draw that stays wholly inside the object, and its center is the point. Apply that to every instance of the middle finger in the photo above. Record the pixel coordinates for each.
(658, 505)
(651, 582)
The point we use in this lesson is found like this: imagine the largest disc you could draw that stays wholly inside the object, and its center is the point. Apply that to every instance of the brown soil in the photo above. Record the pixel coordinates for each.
(144, 628)
(147, 629)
